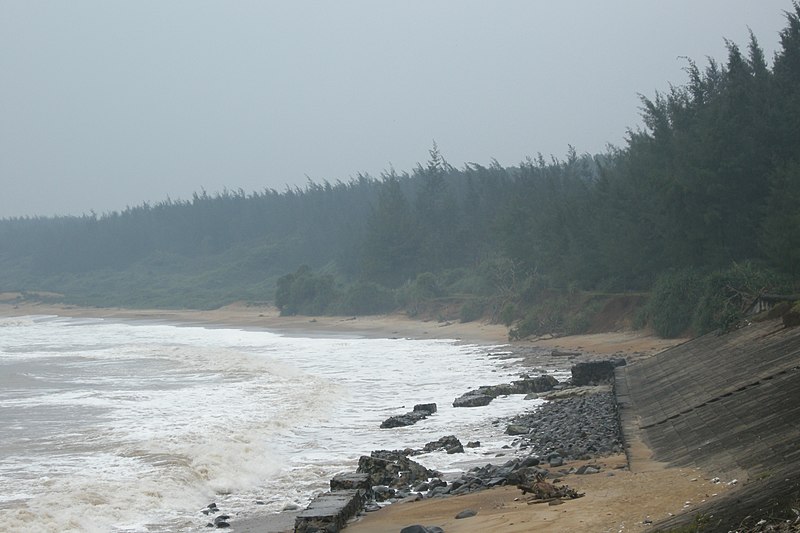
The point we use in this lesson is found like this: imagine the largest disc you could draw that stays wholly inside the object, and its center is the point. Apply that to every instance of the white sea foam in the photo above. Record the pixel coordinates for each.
(131, 427)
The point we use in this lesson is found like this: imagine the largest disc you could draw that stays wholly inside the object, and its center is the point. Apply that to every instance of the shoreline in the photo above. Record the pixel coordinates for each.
(613, 498)
(241, 316)
(630, 344)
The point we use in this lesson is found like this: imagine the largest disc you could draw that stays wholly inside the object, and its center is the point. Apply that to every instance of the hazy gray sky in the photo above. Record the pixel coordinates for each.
(105, 103)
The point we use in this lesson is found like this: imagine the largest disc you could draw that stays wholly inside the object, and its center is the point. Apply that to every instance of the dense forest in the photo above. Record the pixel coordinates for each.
(699, 211)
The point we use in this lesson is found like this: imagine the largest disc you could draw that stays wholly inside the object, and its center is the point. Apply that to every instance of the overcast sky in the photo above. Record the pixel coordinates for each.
(105, 104)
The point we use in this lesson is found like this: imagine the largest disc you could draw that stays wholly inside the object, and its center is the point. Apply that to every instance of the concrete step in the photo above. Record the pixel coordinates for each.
(330, 512)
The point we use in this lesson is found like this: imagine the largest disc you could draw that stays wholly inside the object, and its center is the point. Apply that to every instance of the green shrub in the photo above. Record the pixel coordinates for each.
(305, 292)
(580, 320)
(414, 296)
(426, 286)
(548, 317)
(672, 302)
(640, 318)
(508, 314)
(367, 298)
(725, 294)
(471, 310)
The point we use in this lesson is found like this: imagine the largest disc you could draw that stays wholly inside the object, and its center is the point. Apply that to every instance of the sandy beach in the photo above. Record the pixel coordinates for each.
(617, 499)
(624, 342)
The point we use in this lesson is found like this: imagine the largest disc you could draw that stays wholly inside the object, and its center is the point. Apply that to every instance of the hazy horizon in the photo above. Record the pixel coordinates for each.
(111, 105)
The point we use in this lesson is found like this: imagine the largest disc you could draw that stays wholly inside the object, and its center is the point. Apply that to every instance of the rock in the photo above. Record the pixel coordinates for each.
(291, 507)
(383, 493)
(472, 399)
(351, 481)
(516, 429)
(438, 491)
(541, 383)
(393, 469)
(420, 412)
(466, 513)
(422, 487)
(407, 419)
(210, 508)
(429, 408)
(595, 372)
(485, 394)
(372, 507)
(221, 521)
(474, 444)
(556, 461)
(436, 482)
(449, 443)
(531, 460)
(574, 428)
(455, 449)
(421, 529)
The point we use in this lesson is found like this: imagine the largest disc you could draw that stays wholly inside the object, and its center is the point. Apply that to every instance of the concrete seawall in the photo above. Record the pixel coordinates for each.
(728, 404)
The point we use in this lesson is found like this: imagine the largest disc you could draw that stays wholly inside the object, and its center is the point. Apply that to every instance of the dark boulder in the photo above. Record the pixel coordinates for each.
(541, 383)
(595, 372)
(416, 528)
(531, 460)
(383, 493)
(351, 481)
(485, 394)
(393, 469)
(420, 412)
(473, 399)
(449, 443)
(516, 429)
(429, 408)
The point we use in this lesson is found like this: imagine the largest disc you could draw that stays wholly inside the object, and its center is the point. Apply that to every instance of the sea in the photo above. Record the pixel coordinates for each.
(109, 426)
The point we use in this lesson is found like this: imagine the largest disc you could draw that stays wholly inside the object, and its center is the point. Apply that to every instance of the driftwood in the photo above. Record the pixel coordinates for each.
(544, 492)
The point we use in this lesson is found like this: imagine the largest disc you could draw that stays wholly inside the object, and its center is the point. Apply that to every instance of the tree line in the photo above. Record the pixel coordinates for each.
(701, 206)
